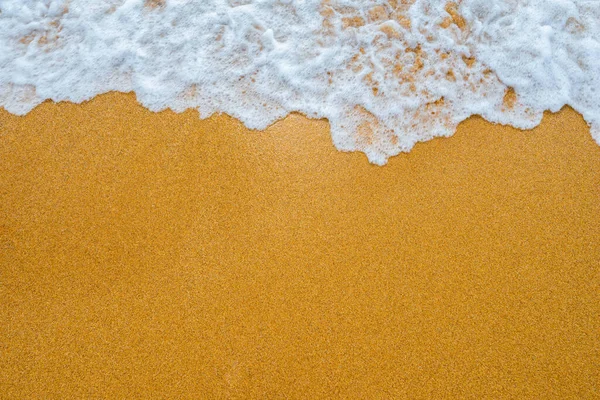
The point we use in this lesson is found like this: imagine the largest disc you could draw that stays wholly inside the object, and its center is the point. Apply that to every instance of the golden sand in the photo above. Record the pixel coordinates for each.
(159, 256)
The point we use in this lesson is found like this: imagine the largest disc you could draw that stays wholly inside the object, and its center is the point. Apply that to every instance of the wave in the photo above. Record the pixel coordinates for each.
(386, 74)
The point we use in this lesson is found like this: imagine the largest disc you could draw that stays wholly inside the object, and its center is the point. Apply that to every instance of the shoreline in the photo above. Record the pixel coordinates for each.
(128, 96)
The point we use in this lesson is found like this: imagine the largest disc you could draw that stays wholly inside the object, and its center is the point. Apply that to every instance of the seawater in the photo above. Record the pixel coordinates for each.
(386, 74)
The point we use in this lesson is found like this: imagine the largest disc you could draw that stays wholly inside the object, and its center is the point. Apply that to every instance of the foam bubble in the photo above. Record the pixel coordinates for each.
(387, 74)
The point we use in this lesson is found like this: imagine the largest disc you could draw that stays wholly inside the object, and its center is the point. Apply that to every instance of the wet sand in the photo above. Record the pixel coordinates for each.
(156, 255)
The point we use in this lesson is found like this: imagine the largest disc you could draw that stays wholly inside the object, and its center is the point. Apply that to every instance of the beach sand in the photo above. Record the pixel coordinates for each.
(149, 255)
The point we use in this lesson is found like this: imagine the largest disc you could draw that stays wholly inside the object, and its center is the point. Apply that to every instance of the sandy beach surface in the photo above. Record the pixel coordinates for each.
(149, 255)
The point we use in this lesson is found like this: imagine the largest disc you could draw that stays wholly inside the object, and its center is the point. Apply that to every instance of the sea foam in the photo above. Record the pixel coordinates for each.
(386, 74)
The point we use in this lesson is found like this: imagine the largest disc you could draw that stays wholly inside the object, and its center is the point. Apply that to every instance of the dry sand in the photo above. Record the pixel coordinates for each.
(156, 255)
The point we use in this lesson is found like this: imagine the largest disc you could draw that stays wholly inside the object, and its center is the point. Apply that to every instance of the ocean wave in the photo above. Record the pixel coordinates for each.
(386, 74)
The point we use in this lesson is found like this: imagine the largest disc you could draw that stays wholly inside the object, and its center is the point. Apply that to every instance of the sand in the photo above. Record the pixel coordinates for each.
(159, 256)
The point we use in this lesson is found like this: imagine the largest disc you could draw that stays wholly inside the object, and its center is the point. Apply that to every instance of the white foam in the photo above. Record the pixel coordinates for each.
(386, 74)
